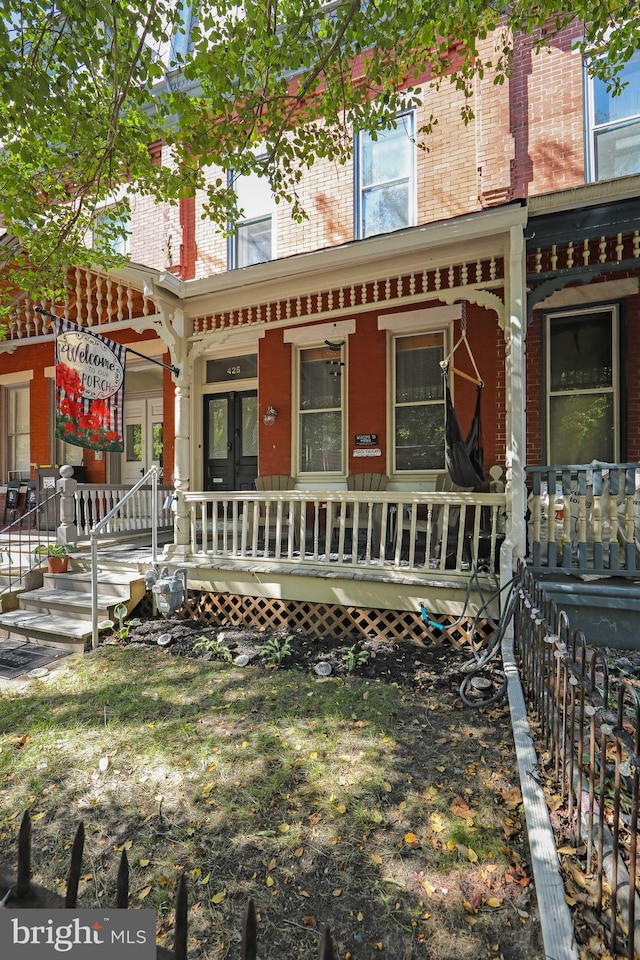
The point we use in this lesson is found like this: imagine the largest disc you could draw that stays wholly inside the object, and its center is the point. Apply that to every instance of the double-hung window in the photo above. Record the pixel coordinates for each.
(418, 408)
(386, 179)
(583, 388)
(252, 239)
(18, 460)
(321, 405)
(613, 125)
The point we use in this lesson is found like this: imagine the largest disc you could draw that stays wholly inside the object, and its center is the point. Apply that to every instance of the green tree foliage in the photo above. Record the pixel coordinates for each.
(86, 86)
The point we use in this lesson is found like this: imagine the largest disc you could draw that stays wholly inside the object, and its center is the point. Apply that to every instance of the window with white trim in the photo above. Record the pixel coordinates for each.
(252, 240)
(613, 125)
(112, 229)
(321, 410)
(386, 179)
(17, 407)
(583, 388)
(418, 401)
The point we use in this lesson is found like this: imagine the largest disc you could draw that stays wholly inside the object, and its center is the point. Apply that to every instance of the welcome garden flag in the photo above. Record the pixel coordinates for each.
(89, 388)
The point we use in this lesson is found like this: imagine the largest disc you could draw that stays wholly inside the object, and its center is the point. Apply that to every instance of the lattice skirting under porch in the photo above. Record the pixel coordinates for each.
(323, 619)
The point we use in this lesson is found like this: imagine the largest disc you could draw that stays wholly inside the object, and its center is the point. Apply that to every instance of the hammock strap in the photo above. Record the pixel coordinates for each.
(463, 340)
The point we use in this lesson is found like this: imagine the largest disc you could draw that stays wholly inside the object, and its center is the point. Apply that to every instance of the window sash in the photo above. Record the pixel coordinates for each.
(582, 386)
(385, 198)
(613, 125)
(253, 241)
(418, 402)
(320, 410)
(18, 431)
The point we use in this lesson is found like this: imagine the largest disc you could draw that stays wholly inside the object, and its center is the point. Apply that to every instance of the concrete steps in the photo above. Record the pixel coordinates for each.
(58, 613)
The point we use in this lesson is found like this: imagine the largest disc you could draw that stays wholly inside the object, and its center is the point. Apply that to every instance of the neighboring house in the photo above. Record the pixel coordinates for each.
(312, 350)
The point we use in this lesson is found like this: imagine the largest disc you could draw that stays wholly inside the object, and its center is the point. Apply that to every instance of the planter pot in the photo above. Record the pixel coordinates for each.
(57, 564)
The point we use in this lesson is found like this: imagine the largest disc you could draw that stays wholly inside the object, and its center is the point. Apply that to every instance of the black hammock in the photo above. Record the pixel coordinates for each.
(464, 457)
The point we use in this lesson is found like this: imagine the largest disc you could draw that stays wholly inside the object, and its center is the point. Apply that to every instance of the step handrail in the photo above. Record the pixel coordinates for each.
(30, 534)
(98, 528)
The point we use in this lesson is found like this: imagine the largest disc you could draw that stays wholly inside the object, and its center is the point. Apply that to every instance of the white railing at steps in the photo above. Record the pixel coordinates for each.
(392, 529)
(95, 500)
(106, 525)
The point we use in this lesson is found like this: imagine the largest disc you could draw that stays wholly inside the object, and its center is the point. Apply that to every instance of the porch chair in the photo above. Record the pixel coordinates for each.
(356, 482)
(11, 501)
(30, 501)
(276, 482)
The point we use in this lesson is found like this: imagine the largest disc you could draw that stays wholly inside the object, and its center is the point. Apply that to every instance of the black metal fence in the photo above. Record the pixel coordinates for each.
(18, 891)
(589, 735)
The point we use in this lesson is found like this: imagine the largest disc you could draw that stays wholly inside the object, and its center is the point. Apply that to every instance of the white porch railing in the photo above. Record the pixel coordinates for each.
(94, 501)
(447, 532)
(585, 518)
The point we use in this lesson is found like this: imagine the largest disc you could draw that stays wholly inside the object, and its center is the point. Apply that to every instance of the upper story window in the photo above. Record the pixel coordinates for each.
(418, 409)
(386, 179)
(252, 241)
(112, 229)
(321, 410)
(583, 388)
(613, 125)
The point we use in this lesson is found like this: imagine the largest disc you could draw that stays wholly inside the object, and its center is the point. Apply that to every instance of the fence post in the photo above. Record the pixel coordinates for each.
(67, 532)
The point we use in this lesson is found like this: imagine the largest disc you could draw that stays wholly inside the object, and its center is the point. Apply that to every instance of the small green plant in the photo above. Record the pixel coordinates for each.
(274, 651)
(120, 612)
(59, 550)
(214, 645)
(352, 657)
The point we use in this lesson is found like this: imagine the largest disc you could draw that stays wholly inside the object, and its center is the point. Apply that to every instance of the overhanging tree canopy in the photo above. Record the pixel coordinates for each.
(87, 88)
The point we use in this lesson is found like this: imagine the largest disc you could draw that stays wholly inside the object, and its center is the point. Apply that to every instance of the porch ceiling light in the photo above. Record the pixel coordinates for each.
(269, 416)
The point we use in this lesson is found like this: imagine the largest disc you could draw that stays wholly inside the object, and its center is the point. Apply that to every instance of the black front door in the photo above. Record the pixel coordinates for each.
(230, 440)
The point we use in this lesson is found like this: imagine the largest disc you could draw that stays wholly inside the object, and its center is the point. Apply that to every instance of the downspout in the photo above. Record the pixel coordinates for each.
(515, 309)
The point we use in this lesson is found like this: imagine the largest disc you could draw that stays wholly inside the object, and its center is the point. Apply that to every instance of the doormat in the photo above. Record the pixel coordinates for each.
(17, 658)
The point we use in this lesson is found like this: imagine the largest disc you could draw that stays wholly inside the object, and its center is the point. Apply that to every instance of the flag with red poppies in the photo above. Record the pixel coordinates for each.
(89, 388)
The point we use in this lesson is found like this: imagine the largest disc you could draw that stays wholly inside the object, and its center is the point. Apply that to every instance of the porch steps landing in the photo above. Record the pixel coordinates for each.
(58, 612)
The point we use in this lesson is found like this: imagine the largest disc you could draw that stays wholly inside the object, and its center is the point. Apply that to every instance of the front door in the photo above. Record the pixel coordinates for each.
(143, 437)
(230, 440)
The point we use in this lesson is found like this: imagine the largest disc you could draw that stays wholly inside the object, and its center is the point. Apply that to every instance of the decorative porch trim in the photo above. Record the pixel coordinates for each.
(612, 290)
(456, 281)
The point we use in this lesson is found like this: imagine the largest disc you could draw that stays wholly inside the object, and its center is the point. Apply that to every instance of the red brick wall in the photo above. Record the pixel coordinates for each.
(367, 391)
(366, 369)
(274, 390)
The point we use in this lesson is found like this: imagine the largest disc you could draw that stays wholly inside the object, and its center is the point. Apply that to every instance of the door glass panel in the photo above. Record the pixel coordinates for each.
(157, 438)
(218, 439)
(133, 442)
(249, 426)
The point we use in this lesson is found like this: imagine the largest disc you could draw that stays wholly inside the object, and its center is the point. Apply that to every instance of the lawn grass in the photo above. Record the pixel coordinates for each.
(389, 812)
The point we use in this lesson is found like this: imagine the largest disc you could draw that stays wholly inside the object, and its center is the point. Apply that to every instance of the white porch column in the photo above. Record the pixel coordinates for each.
(515, 399)
(180, 547)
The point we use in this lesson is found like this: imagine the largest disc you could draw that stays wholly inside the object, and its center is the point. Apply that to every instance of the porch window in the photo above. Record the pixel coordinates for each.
(583, 386)
(252, 241)
(418, 410)
(613, 125)
(18, 462)
(320, 440)
(386, 182)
